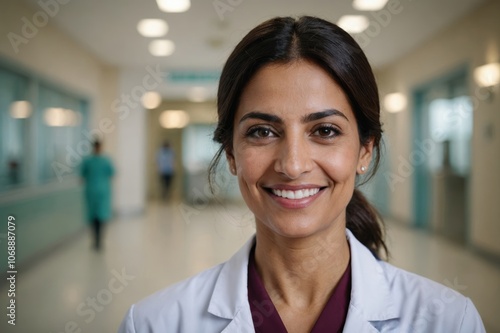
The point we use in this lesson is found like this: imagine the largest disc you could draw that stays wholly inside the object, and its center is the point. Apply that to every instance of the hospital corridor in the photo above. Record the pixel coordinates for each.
(145, 254)
(111, 119)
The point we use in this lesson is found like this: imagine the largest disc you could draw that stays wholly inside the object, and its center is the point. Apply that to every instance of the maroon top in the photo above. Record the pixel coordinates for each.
(267, 319)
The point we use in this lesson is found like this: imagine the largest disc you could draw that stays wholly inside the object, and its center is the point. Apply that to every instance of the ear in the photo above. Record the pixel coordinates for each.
(231, 161)
(365, 157)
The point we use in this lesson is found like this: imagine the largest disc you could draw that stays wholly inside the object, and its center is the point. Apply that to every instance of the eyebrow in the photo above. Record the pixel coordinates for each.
(262, 116)
(306, 119)
(323, 114)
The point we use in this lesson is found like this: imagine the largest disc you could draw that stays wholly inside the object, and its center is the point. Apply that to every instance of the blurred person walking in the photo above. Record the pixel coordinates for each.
(96, 172)
(165, 160)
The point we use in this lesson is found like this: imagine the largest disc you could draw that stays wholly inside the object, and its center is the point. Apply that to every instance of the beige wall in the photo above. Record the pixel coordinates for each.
(54, 56)
(472, 41)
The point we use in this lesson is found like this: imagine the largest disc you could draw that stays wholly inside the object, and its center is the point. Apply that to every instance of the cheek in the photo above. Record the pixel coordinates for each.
(341, 164)
(249, 163)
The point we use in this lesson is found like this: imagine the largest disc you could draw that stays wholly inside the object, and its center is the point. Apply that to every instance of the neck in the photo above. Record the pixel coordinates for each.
(301, 272)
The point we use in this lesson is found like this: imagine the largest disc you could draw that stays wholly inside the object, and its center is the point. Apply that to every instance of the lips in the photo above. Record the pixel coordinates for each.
(295, 195)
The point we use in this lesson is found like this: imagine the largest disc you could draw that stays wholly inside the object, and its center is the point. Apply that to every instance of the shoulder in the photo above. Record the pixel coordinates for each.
(109, 160)
(406, 284)
(103, 160)
(105, 157)
(205, 302)
(426, 305)
(387, 295)
(86, 161)
(168, 308)
(190, 290)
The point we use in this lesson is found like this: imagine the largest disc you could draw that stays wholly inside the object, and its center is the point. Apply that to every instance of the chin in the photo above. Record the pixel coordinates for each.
(294, 227)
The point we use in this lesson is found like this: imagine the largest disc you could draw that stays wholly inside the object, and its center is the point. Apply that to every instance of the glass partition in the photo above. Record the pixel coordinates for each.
(41, 130)
(61, 145)
(15, 116)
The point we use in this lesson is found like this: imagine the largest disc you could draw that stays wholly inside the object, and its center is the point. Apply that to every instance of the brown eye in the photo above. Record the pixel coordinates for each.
(260, 132)
(327, 132)
(263, 132)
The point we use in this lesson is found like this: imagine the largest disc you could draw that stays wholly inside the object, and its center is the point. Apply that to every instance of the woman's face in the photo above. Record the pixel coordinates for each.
(296, 150)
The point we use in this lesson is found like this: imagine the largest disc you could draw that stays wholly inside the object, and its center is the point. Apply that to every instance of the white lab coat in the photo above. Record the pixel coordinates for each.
(383, 299)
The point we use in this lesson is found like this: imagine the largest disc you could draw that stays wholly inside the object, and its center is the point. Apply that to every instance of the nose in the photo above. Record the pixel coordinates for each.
(294, 157)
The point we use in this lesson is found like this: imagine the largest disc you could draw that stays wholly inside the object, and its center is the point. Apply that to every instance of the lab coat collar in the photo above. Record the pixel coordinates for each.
(371, 299)
(230, 291)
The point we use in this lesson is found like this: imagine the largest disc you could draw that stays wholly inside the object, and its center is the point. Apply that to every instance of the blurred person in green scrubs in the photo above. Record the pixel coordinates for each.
(96, 172)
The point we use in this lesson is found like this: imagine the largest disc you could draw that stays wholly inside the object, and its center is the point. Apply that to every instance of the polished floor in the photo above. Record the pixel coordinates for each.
(76, 288)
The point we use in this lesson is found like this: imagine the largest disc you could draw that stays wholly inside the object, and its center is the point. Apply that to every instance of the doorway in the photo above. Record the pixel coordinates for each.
(443, 131)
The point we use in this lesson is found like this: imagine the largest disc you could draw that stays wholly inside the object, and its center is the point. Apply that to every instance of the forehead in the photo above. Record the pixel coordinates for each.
(295, 88)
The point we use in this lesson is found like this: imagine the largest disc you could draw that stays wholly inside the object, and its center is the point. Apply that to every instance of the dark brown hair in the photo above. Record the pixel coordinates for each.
(283, 40)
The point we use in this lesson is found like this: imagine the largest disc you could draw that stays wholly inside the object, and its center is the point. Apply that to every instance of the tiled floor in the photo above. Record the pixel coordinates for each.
(76, 287)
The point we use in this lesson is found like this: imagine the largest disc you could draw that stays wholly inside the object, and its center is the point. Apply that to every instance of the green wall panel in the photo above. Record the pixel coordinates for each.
(41, 223)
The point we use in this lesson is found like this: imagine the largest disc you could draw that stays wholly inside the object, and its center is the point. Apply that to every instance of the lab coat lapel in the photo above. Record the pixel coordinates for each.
(241, 323)
(372, 305)
(230, 297)
(356, 322)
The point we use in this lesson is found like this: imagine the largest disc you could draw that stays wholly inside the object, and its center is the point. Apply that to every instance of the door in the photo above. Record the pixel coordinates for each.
(443, 132)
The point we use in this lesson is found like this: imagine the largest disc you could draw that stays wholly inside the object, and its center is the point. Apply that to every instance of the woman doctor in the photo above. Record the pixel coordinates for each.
(299, 122)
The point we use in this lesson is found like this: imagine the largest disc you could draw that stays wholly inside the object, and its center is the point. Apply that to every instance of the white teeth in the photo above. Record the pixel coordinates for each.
(300, 194)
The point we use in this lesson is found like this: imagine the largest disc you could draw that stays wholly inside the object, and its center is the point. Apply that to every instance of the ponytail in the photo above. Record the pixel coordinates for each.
(365, 223)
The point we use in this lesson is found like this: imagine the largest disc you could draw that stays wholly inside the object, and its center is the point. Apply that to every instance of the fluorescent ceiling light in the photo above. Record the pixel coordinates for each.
(353, 23)
(161, 47)
(151, 100)
(20, 109)
(173, 6)
(197, 94)
(395, 102)
(487, 75)
(373, 5)
(174, 119)
(152, 27)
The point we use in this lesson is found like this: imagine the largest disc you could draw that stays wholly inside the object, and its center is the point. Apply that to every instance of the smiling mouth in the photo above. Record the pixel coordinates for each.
(295, 195)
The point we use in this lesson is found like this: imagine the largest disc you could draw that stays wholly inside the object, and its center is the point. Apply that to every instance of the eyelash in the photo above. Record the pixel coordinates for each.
(253, 131)
(334, 130)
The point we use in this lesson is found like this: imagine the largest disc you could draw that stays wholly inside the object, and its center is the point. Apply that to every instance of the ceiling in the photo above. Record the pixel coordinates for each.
(204, 39)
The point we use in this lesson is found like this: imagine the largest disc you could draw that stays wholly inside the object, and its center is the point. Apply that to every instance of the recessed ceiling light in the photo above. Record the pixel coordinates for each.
(369, 4)
(161, 47)
(487, 75)
(152, 27)
(173, 6)
(151, 100)
(174, 119)
(354, 24)
(395, 102)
